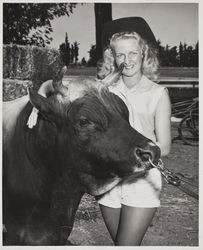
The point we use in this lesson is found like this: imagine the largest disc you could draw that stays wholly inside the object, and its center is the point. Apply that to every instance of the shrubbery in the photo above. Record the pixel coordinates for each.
(25, 66)
(30, 63)
(14, 88)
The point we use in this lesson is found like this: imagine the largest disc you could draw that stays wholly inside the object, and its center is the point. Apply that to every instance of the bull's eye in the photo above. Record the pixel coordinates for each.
(84, 122)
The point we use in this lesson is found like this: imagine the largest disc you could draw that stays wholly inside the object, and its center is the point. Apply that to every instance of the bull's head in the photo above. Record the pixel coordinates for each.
(105, 148)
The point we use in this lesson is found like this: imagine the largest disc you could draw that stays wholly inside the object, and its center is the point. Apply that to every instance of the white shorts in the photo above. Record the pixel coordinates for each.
(145, 192)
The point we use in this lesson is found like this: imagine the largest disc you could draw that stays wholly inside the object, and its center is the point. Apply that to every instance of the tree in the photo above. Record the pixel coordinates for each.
(196, 55)
(64, 49)
(181, 54)
(173, 56)
(19, 19)
(189, 56)
(69, 53)
(165, 56)
(161, 52)
(103, 14)
(93, 56)
(83, 62)
(75, 51)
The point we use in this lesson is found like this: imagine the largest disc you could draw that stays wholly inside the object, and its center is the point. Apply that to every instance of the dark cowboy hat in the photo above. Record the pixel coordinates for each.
(137, 24)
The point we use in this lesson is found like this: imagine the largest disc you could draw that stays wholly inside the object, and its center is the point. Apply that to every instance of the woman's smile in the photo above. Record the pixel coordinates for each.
(128, 66)
(128, 51)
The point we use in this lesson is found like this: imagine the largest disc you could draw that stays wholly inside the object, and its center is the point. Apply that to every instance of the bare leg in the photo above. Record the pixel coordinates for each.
(111, 218)
(133, 225)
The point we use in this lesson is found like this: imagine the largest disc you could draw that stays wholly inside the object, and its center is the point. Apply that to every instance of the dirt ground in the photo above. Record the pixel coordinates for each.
(176, 221)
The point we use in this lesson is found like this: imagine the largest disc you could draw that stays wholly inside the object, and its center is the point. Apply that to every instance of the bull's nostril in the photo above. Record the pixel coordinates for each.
(138, 152)
(151, 151)
(144, 155)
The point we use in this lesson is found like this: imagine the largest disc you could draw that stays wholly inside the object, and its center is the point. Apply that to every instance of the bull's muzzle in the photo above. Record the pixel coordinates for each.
(143, 154)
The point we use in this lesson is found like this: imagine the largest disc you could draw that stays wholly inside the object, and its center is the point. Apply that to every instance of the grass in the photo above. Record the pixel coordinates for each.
(179, 72)
(15, 88)
(176, 94)
(164, 71)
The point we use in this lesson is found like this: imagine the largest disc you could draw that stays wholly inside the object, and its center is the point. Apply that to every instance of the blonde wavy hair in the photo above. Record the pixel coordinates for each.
(150, 61)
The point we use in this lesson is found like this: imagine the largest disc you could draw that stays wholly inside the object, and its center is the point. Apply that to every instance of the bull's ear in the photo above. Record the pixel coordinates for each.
(44, 105)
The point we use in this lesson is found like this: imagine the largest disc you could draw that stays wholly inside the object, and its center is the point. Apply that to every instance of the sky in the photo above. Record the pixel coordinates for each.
(171, 23)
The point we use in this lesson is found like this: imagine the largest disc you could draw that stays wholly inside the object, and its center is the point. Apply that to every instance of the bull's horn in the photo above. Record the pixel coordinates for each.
(114, 76)
(57, 82)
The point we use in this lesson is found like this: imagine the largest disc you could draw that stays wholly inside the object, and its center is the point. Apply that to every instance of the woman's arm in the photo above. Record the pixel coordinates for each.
(163, 124)
(45, 89)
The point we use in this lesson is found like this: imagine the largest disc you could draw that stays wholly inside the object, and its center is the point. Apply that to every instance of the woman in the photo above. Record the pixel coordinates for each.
(128, 209)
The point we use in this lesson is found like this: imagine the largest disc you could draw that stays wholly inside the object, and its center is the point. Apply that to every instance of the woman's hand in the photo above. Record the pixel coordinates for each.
(32, 120)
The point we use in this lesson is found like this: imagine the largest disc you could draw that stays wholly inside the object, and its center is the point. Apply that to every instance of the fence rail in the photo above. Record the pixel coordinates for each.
(179, 82)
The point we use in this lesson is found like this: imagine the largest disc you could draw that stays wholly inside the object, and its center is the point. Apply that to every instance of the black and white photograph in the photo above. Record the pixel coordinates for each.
(100, 123)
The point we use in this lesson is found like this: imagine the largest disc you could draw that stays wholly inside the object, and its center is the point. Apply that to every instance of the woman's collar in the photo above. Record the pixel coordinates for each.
(144, 85)
(141, 85)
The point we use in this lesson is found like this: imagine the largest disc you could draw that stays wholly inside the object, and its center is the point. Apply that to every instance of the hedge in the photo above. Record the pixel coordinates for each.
(14, 88)
(30, 63)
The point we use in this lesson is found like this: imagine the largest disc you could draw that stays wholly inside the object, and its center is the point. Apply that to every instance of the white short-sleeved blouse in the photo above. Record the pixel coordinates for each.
(142, 101)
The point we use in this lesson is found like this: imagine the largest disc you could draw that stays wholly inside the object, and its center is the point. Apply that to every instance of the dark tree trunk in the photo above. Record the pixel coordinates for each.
(103, 14)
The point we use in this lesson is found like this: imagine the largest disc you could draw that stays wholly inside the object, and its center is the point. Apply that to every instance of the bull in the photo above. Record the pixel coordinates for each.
(82, 143)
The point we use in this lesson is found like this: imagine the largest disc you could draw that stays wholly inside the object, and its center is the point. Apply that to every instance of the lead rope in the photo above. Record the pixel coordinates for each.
(177, 180)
